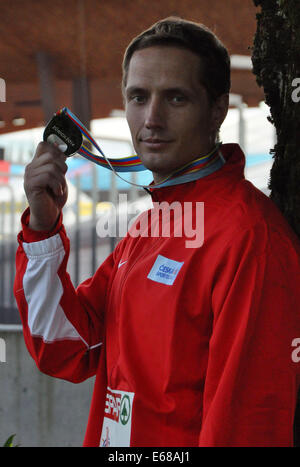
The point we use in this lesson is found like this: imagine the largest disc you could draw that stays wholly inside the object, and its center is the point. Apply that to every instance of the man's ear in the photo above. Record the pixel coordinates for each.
(219, 112)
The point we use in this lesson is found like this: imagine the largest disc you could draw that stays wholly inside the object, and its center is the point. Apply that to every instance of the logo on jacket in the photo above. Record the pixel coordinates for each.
(116, 427)
(125, 410)
(164, 270)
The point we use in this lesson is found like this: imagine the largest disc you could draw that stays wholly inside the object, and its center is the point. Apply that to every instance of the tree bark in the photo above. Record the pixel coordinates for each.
(276, 64)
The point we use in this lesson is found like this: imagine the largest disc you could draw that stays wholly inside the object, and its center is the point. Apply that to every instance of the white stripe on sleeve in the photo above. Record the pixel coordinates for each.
(43, 291)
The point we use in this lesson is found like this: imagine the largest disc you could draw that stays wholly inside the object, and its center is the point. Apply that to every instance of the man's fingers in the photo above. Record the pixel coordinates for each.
(51, 169)
(44, 147)
(46, 152)
(49, 157)
(47, 180)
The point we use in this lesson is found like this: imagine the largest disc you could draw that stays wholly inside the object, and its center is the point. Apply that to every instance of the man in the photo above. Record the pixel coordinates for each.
(191, 345)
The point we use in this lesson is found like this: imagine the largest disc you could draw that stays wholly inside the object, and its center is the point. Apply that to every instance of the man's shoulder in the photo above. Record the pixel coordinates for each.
(243, 209)
(252, 206)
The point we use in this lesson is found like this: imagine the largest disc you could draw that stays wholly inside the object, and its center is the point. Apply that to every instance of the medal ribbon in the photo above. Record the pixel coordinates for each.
(198, 168)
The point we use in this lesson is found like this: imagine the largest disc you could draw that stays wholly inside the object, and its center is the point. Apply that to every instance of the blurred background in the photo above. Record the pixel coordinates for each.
(68, 53)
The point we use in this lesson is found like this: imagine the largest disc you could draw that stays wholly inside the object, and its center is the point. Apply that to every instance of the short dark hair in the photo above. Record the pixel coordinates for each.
(177, 32)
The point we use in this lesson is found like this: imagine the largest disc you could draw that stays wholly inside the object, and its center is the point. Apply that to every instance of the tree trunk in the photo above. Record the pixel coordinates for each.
(276, 64)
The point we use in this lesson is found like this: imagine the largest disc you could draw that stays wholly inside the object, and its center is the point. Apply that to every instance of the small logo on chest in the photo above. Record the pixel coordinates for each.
(121, 263)
(164, 270)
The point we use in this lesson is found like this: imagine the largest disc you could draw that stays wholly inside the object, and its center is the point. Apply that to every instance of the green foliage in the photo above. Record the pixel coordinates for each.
(9, 442)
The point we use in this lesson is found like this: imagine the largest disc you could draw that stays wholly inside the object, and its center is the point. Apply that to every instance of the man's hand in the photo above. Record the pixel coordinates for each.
(45, 186)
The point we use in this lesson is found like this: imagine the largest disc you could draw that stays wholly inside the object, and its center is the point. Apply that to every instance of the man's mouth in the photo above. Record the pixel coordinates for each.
(155, 143)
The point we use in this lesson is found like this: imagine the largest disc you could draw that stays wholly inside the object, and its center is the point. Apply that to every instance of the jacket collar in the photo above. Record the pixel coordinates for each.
(203, 188)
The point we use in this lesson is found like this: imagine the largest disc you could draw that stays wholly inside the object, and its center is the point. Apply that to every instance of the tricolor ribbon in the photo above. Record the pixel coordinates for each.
(60, 129)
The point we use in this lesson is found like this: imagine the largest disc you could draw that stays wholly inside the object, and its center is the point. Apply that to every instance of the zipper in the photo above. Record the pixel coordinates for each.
(121, 286)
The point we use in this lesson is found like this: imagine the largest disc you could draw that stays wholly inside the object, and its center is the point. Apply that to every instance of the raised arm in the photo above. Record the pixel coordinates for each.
(63, 327)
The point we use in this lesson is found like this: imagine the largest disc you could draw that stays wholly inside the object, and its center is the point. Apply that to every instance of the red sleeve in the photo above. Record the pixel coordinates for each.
(251, 381)
(63, 326)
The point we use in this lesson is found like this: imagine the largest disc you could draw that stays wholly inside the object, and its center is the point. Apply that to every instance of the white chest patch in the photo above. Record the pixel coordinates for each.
(164, 270)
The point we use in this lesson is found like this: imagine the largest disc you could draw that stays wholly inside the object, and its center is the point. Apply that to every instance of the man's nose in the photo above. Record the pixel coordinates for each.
(154, 114)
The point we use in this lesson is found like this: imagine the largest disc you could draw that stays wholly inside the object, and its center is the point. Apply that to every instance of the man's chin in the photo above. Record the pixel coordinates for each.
(156, 161)
(157, 164)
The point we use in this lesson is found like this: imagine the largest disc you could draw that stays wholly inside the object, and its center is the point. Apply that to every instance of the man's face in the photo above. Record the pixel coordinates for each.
(167, 109)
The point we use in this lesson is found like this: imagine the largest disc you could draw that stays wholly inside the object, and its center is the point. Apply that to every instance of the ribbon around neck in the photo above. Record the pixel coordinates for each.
(68, 132)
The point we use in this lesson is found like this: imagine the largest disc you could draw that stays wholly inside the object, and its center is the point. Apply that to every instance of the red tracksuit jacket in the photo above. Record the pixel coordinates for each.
(191, 346)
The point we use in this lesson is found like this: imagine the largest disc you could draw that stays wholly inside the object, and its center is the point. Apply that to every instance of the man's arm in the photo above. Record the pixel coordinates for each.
(251, 389)
(63, 327)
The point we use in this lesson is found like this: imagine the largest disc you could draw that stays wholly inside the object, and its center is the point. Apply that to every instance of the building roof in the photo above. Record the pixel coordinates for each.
(88, 37)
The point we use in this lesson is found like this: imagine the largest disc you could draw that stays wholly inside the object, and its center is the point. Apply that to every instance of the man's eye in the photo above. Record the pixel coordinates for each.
(138, 99)
(178, 99)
